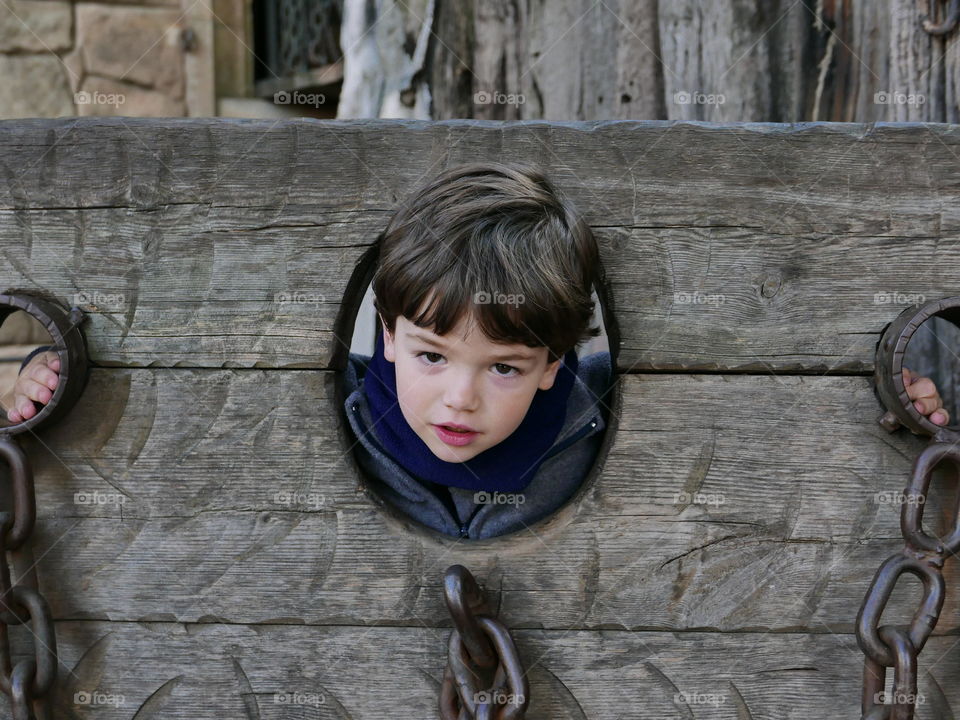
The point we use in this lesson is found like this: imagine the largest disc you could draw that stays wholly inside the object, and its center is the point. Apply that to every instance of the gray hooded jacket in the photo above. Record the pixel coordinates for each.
(460, 515)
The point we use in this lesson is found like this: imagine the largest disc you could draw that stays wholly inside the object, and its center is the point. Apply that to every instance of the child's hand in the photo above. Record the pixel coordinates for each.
(36, 381)
(925, 397)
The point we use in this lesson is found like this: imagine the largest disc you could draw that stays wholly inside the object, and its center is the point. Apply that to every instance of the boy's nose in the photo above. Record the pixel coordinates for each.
(461, 394)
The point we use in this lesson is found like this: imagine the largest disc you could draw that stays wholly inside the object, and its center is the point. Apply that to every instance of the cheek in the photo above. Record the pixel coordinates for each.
(413, 386)
(514, 403)
(404, 378)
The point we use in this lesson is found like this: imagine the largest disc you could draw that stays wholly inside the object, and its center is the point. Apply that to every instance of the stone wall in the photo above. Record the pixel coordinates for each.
(62, 58)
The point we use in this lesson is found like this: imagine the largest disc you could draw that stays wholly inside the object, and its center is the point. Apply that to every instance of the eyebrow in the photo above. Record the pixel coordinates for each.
(434, 343)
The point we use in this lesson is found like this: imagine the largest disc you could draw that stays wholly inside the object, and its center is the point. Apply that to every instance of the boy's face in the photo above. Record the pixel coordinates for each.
(464, 379)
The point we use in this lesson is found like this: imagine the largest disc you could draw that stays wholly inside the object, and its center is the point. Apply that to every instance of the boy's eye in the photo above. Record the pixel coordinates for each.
(436, 355)
(510, 370)
(507, 370)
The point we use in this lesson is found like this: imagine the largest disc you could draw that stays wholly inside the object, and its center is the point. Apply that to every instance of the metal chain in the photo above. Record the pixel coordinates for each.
(484, 678)
(29, 682)
(949, 23)
(306, 34)
(888, 646)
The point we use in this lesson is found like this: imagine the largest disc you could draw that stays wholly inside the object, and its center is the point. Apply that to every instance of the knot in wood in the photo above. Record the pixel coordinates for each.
(770, 286)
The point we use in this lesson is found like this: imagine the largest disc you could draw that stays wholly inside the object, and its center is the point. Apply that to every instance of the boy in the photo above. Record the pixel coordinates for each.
(475, 416)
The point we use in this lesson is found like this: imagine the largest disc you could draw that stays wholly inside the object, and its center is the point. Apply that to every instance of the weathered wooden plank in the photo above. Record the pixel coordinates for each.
(530, 50)
(169, 670)
(772, 261)
(779, 60)
(186, 233)
(724, 61)
(714, 52)
(341, 568)
(207, 462)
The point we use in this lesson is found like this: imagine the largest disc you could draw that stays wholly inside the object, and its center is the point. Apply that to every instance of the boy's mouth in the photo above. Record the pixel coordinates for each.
(455, 434)
(457, 428)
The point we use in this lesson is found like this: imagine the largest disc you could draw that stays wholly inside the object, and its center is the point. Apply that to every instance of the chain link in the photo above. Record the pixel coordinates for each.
(29, 682)
(888, 646)
(949, 24)
(484, 678)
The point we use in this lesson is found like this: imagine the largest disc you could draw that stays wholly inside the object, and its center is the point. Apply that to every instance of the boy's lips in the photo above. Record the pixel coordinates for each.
(455, 426)
(451, 437)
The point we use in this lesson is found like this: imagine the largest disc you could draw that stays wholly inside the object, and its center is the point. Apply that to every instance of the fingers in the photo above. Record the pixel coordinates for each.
(940, 417)
(43, 375)
(927, 405)
(44, 368)
(37, 382)
(24, 407)
(926, 398)
(922, 387)
(33, 390)
(52, 360)
(25, 392)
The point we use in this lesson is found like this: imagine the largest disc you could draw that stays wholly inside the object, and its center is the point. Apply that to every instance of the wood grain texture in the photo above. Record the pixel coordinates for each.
(778, 60)
(744, 247)
(280, 672)
(588, 60)
(205, 539)
(192, 495)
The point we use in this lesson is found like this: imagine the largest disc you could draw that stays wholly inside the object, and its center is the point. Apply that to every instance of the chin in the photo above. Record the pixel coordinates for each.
(450, 455)
(453, 457)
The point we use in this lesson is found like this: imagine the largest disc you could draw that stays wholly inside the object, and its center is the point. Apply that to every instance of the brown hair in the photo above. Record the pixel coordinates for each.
(503, 230)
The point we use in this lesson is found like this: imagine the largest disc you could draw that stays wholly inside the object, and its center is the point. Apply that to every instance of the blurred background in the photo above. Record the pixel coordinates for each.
(724, 60)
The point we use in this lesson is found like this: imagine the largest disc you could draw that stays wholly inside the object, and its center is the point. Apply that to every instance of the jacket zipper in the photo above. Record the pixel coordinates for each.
(586, 430)
(583, 432)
